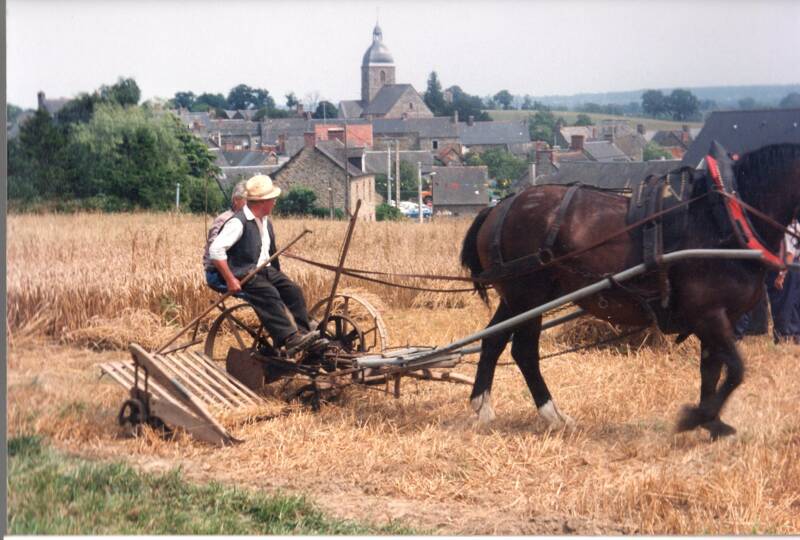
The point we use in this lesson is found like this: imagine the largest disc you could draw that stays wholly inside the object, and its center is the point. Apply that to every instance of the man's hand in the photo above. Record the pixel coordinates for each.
(780, 279)
(231, 281)
(234, 286)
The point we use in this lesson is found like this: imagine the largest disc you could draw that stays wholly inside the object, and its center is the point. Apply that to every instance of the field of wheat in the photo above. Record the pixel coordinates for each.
(81, 287)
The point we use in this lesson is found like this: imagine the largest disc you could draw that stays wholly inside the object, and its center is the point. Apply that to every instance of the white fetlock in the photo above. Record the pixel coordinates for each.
(555, 418)
(482, 405)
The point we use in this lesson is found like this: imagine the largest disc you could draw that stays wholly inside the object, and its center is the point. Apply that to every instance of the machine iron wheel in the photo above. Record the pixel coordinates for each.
(238, 326)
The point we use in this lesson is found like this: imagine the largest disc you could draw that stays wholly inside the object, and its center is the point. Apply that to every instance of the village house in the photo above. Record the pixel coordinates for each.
(674, 141)
(333, 173)
(744, 131)
(459, 191)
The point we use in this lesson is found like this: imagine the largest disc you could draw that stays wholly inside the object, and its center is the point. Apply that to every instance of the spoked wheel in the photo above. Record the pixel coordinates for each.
(353, 313)
(344, 333)
(238, 326)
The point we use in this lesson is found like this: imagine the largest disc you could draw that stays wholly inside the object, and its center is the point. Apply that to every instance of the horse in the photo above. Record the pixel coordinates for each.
(706, 296)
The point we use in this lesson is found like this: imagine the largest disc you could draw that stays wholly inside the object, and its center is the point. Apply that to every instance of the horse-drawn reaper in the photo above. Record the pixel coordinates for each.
(680, 252)
(552, 239)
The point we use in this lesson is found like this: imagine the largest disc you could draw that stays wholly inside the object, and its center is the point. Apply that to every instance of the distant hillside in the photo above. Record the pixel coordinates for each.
(650, 124)
(725, 96)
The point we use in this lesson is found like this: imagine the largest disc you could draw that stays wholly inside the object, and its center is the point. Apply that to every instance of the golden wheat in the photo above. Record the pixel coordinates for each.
(421, 458)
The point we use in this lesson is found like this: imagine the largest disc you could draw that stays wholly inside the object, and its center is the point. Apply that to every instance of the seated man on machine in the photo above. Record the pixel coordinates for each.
(246, 241)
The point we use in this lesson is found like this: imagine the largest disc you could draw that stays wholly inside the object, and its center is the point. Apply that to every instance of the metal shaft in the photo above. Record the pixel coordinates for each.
(750, 254)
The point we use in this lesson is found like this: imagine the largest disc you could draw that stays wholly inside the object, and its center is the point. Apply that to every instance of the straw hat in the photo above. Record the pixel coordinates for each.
(260, 188)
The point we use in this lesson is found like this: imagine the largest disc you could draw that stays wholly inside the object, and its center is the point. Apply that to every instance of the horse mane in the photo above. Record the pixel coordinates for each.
(754, 170)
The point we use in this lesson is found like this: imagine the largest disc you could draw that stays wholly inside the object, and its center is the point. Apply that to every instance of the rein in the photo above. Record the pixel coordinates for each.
(362, 274)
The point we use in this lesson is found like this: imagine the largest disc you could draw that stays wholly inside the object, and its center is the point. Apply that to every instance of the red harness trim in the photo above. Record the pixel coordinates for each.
(740, 220)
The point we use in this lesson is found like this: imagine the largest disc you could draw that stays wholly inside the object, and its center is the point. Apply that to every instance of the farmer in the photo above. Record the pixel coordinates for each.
(784, 293)
(247, 240)
(238, 200)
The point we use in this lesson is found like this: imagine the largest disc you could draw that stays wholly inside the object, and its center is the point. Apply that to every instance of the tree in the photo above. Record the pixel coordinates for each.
(583, 120)
(747, 103)
(504, 99)
(542, 126)
(527, 103)
(654, 103)
(791, 101)
(243, 96)
(467, 105)
(184, 100)
(683, 104)
(125, 92)
(206, 102)
(299, 201)
(36, 160)
(654, 151)
(291, 100)
(79, 109)
(326, 109)
(12, 112)
(434, 97)
(504, 167)
(386, 212)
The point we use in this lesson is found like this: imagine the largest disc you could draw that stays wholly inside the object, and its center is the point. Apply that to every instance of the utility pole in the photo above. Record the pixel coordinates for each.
(178, 197)
(388, 173)
(397, 171)
(346, 174)
(419, 189)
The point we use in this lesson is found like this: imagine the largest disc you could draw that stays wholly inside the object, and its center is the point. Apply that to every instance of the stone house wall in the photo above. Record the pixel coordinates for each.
(311, 169)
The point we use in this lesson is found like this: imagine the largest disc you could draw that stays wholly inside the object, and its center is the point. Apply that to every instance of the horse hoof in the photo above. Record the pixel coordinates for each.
(718, 429)
(690, 418)
(482, 405)
(555, 418)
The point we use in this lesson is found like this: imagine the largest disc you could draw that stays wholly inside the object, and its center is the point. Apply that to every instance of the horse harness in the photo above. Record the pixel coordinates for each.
(500, 268)
(661, 206)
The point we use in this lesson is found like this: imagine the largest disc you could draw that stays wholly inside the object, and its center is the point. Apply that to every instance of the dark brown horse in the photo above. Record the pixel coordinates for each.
(706, 297)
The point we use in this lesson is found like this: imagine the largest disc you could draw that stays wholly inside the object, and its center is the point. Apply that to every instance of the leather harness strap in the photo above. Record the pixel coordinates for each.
(499, 267)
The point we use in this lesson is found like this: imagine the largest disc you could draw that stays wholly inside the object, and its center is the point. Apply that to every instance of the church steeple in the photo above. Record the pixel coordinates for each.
(377, 67)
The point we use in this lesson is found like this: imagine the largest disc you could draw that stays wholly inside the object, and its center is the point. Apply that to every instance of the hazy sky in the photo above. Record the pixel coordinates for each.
(539, 48)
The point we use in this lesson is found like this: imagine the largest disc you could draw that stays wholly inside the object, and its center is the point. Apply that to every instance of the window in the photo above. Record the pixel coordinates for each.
(383, 76)
(411, 106)
(435, 144)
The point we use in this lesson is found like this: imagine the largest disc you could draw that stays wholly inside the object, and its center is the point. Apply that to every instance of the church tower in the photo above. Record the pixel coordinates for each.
(377, 67)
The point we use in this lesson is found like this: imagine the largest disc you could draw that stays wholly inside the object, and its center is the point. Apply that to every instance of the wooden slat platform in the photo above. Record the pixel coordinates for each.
(186, 389)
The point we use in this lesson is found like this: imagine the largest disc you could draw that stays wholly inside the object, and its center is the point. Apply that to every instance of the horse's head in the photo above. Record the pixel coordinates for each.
(769, 179)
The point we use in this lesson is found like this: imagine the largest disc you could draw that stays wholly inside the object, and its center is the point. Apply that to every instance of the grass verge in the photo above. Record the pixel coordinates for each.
(50, 493)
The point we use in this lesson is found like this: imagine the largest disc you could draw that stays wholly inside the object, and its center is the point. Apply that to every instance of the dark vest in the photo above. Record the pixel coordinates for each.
(243, 255)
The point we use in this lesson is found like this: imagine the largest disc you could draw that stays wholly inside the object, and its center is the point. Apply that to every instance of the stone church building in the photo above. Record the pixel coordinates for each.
(381, 96)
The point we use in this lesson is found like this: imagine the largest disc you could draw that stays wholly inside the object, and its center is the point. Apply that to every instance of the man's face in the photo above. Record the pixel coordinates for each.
(262, 208)
(238, 204)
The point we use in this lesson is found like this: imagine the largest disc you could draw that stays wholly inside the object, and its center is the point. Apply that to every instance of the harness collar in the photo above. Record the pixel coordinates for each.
(748, 237)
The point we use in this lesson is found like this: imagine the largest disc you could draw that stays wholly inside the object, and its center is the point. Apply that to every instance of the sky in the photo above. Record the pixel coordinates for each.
(314, 47)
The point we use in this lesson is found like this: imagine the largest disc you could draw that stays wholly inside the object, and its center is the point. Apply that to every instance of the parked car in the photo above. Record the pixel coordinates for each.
(411, 210)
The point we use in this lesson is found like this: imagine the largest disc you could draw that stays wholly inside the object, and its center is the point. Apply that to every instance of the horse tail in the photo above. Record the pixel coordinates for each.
(469, 253)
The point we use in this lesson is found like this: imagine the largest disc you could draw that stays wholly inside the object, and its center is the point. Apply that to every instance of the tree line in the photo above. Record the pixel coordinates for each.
(245, 97)
(104, 151)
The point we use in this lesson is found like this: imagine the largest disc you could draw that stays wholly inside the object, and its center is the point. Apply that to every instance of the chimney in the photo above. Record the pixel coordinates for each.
(544, 162)
(576, 143)
(640, 129)
(532, 174)
(40, 98)
(455, 116)
(281, 143)
(299, 109)
(310, 139)
(685, 134)
(470, 120)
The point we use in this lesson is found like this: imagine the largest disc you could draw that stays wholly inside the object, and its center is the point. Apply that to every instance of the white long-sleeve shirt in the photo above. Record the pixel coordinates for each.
(231, 233)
